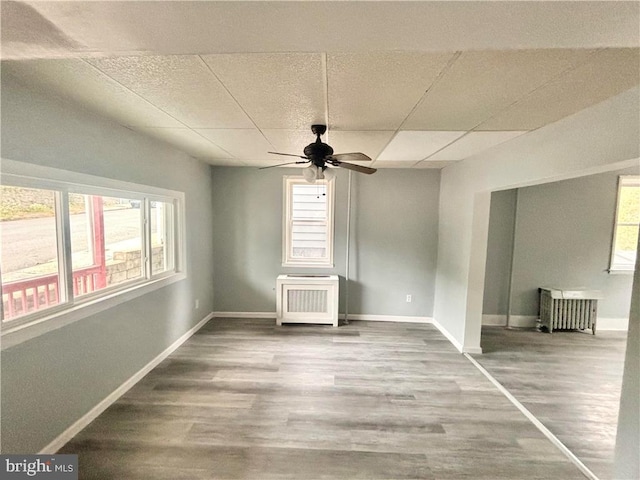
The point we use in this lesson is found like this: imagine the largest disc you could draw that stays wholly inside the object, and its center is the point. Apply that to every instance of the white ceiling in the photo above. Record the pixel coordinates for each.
(411, 84)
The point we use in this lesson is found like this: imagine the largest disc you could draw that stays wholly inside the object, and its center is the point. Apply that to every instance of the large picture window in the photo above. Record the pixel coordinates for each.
(625, 232)
(308, 223)
(63, 244)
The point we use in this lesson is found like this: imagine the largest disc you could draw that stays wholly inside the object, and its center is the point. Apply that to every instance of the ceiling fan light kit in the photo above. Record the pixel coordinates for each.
(313, 173)
(319, 154)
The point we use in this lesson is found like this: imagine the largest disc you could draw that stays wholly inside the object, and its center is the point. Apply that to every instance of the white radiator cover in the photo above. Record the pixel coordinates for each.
(307, 299)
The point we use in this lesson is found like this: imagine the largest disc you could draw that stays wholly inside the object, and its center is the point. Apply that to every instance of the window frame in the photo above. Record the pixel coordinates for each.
(623, 180)
(288, 260)
(72, 309)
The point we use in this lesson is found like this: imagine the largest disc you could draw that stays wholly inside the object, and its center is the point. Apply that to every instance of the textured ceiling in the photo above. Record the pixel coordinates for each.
(418, 84)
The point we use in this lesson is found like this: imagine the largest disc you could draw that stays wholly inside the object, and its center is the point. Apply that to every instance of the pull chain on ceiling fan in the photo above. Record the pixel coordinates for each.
(320, 155)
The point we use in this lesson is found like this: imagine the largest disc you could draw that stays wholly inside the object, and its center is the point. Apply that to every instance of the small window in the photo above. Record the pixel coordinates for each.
(308, 223)
(625, 232)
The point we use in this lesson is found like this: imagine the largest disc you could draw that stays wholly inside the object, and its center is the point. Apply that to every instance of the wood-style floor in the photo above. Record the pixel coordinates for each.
(569, 380)
(246, 399)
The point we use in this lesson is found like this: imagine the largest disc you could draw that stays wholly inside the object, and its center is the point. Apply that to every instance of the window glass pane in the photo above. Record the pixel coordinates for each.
(106, 242)
(161, 237)
(309, 221)
(624, 254)
(629, 206)
(310, 202)
(30, 267)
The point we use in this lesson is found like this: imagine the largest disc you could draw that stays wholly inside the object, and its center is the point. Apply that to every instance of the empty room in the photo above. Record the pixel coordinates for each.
(320, 240)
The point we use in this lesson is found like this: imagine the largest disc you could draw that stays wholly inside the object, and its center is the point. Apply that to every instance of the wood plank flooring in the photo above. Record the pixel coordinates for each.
(569, 380)
(244, 399)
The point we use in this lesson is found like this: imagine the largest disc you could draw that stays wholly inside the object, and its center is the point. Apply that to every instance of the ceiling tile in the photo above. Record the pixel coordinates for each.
(186, 140)
(383, 164)
(370, 143)
(262, 163)
(472, 143)
(76, 80)
(289, 141)
(608, 73)
(180, 85)
(282, 90)
(241, 143)
(376, 91)
(480, 84)
(414, 145)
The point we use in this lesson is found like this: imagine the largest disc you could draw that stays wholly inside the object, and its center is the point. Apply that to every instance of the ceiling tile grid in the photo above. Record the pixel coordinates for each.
(180, 85)
(480, 84)
(276, 90)
(404, 109)
(377, 91)
(417, 145)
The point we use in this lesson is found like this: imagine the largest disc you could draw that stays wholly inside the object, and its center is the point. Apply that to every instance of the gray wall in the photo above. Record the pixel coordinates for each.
(563, 239)
(499, 252)
(49, 382)
(394, 224)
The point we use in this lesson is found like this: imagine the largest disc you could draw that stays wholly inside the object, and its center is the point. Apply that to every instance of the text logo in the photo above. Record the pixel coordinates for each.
(50, 467)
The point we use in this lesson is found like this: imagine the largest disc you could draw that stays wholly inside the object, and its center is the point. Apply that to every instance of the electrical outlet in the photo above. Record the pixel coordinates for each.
(197, 304)
(408, 298)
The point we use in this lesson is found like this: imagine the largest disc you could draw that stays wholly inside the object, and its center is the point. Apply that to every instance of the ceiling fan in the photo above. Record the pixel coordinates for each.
(319, 154)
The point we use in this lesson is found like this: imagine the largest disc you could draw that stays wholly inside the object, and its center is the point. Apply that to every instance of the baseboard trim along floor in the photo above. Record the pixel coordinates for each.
(92, 414)
(533, 419)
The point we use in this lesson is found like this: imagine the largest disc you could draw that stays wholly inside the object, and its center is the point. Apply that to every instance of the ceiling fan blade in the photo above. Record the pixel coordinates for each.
(282, 164)
(351, 157)
(355, 168)
(287, 154)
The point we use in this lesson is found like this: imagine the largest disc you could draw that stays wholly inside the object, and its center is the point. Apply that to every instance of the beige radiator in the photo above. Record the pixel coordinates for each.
(568, 309)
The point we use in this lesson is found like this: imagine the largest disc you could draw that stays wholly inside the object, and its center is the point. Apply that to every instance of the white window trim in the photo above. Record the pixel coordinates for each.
(623, 180)
(37, 176)
(287, 259)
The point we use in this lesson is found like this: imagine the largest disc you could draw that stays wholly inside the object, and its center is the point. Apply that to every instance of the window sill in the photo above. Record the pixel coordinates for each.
(308, 265)
(12, 336)
(620, 272)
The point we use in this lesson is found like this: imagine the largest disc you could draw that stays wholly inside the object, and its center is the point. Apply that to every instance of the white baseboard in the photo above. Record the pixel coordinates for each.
(231, 315)
(448, 335)
(386, 318)
(92, 414)
(523, 321)
(612, 324)
(494, 320)
(530, 321)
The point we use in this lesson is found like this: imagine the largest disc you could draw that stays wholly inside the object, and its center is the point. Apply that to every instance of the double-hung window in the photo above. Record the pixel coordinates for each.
(64, 245)
(308, 223)
(625, 232)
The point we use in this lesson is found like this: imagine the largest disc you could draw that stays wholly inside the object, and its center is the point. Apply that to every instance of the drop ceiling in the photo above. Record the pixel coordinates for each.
(412, 85)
